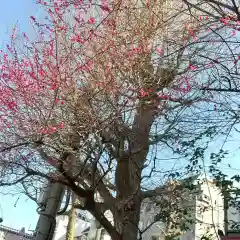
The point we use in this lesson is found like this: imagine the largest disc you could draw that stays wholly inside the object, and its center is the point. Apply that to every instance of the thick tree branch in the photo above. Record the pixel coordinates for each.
(105, 222)
(14, 146)
(221, 89)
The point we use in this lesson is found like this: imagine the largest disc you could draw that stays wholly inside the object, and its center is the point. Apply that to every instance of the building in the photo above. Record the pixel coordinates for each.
(7, 233)
(81, 227)
(203, 220)
(204, 215)
(232, 209)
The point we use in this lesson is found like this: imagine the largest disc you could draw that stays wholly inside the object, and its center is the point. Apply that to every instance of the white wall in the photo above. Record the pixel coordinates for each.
(146, 218)
(10, 236)
(61, 227)
(209, 212)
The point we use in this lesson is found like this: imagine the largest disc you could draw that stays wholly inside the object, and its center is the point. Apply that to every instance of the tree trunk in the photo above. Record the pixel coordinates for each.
(128, 179)
(128, 174)
(71, 221)
(129, 226)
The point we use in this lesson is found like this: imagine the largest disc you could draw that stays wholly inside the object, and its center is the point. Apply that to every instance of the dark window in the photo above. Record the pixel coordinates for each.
(155, 238)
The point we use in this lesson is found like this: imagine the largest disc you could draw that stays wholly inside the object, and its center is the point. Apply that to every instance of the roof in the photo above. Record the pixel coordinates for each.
(15, 231)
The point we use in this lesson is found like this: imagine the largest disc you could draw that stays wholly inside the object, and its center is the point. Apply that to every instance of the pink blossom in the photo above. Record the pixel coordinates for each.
(43, 131)
(54, 129)
(12, 105)
(25, 36)
(9, 48)
(143, 93)
(77, 39)
(92, 20)
(105, 8)
(54, 87)
(4, 75)
(195, 38)
(41, 73)
(147, 3)
(191, 67)
(224, 20)
(52, 161)
(164, 97)
(159, 50)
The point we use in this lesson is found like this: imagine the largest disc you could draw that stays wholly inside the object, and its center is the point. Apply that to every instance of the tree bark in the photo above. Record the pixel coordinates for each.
(128, 173)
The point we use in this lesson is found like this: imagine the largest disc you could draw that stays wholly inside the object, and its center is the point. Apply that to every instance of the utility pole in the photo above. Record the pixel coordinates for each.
(225, 209)
(72, 216)
(49, 204)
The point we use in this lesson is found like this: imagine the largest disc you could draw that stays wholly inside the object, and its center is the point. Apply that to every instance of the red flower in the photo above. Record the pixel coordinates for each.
(191, 67)
(33, 18)
(54, 129)
(54, 87)
(105, 8)
(43, 131)
(159, 51)
(91, 20)
(12, 105)
(143, 93)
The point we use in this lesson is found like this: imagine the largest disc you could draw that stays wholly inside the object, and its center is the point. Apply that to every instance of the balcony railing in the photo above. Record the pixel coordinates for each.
(15, 231)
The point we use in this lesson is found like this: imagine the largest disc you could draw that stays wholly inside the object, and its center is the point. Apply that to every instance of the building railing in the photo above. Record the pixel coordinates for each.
(15, 231)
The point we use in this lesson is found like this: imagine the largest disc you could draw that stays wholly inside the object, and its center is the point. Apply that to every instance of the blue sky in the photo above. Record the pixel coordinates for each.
(23, 214)
(13, 11)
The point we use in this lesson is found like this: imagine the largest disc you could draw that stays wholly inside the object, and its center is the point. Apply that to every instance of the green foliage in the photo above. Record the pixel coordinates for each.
(208, 236)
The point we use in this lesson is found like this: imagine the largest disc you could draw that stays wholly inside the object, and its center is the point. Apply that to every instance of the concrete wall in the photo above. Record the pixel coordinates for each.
(61, 227)
(209, 212)
(4, 235)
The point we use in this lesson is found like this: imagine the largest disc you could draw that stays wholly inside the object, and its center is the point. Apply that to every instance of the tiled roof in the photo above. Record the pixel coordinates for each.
(15, 231)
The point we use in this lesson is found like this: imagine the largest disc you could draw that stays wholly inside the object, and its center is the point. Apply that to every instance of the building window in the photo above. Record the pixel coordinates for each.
(206, 198)
(155, 238)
